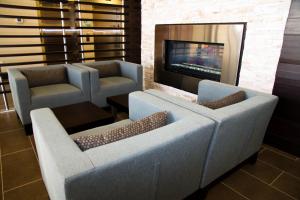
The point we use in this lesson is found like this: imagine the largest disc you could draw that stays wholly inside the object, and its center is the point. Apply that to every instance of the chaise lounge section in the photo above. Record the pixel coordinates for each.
(240, 128)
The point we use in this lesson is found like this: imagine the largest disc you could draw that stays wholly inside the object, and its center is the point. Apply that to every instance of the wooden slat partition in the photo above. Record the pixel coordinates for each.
(133, 29)
(53, 32)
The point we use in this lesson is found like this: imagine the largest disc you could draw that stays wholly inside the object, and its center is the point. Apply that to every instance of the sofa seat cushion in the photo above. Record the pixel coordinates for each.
(101, 129)
(144, 125)
(55, 95)
(116, 83)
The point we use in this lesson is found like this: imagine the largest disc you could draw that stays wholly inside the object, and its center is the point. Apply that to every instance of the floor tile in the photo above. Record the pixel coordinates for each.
(13, 141)
(32, 191)
(19, 168)
(220, 191)
(281, 162)
(279, 151)
(33, 143)
(262, 171)
(9, 121)
(9, 100)
(253, 188)
(288, 184)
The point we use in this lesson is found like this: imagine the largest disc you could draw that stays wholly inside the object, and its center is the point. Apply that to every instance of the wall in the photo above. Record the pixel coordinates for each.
(284, 128)
(265, 19)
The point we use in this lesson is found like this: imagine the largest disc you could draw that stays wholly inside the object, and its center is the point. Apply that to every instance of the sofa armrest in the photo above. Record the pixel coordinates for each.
(132, 71)
(142, 104)
(79, 77)
(59, 156)
(20, 93)
(94, 76)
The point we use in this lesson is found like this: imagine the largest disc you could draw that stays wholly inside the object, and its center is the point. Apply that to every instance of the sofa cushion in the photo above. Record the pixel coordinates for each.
(41, 76)
(144, 125)
(107, 69)
(116, 83)
(226, 101)
(101, 129)
(55, 95)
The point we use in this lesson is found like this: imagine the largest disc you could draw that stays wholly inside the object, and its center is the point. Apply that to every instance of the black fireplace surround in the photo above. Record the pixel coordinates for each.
(188, 53)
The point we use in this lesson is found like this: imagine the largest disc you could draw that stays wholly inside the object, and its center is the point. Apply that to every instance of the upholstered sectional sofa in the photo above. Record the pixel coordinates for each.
(195, 148)
(166, 163)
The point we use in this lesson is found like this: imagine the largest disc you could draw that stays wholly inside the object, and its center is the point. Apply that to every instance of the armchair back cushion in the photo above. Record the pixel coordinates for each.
(106, 68)
(40, 76)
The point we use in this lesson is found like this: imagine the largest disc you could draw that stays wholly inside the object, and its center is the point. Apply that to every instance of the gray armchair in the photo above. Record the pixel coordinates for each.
(125, 77)
(27, 97)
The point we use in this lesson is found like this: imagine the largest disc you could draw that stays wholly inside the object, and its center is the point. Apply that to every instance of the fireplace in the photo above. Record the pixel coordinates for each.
(197, 59)
(186, 54)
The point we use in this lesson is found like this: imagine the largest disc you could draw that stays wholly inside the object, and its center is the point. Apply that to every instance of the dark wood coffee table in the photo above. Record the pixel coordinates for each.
(82, 116)
(119, 103)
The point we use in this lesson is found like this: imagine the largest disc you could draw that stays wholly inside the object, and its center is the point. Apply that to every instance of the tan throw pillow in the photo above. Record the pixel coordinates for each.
(144, 125)
(108, 69)
(226, 101)
(45, 75)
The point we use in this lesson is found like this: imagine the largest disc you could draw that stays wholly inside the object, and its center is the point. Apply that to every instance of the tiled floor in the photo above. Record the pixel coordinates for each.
(275, 176)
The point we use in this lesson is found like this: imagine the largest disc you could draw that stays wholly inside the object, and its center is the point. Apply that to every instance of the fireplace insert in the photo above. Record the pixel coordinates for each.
(197, 59)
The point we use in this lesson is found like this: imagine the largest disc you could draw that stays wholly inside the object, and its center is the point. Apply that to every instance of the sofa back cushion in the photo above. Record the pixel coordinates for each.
(41, 76)
(226, 101)
(107, 69)
(144, 125)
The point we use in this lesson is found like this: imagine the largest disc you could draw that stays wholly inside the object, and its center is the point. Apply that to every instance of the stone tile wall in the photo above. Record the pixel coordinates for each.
(265, 19)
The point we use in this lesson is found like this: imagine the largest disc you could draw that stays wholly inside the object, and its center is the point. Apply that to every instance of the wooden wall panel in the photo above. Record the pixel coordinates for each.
(133, 30)
(284, 128)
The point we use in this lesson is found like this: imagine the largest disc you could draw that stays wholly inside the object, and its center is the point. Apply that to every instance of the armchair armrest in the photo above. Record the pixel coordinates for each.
(20, 93)
(132, 71)
(94, 77)
(79, 77)
(59, 157)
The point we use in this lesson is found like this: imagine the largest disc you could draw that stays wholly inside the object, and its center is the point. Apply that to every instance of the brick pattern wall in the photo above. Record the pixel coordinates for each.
(265, 19)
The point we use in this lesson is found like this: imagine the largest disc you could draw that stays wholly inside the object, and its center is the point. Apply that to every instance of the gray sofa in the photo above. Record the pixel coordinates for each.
(240, 128)
(129, 80)
(25, 99)
(166, 163)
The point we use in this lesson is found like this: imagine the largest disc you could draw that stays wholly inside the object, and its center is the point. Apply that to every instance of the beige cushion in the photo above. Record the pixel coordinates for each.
(144, 125)
(101, 129)
(226, 101)
(41, 76)
(108, 69)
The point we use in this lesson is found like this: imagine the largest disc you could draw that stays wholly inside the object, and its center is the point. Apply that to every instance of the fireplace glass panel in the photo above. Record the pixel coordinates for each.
(197, 59)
